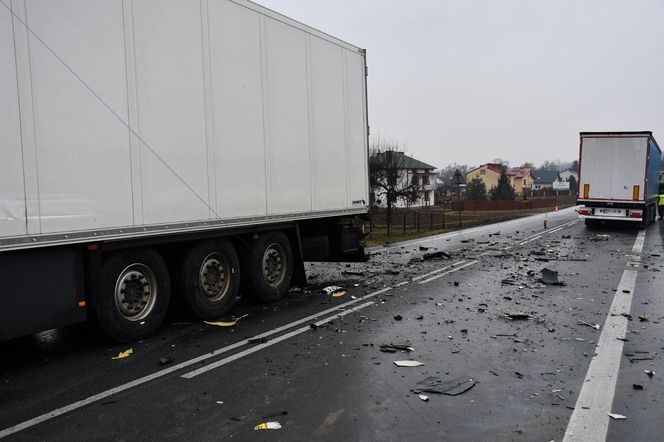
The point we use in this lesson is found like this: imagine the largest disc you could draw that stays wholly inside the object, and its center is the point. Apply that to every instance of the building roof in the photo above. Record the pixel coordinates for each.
(498, 168)
(545, 176)
(408, 162)
(521, 172)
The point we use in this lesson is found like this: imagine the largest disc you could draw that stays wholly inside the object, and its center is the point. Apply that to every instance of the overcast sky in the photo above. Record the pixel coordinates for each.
(468, 81)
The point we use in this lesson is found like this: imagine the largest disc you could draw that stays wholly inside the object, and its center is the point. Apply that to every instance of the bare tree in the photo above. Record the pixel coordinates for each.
(388, 176)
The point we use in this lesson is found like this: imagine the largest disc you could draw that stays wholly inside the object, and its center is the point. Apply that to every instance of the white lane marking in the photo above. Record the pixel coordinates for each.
(161, 373)
(530, 240)
(554, 230)
(590, 421)
(638, 244)
(448, 272)
(276, 340)
(442, 269)
(478, 229)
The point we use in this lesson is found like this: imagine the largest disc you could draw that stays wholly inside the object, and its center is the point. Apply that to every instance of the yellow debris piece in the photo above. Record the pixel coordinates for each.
(338, 294)
(124, 354)
(226, 323)
(268, 426)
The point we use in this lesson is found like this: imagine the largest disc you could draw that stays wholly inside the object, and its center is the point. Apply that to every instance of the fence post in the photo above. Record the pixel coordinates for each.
(404, 223)
(431, 221)
(418, 222)
(443, 218)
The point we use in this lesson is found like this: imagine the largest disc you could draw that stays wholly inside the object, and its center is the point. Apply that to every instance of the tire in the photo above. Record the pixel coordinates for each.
(210, 278)
(126, 319)
(268, 267)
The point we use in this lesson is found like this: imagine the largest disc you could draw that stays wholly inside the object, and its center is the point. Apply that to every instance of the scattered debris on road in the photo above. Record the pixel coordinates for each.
(231, 323)
(595, 326)
(393, 348)
(650, 373)
(261, 340)
(408, 363)
(333, 289)
(164, 361)
(435, 385)
(268, 426)
(550, 277)
(424, 397)
(436, 255)
(517, 315)
(637, 386)
(617, 416)
(124, 354)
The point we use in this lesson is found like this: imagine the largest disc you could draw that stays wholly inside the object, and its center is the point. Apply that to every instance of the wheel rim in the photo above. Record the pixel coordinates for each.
(274, 264)
(213, 277)
(136, 292)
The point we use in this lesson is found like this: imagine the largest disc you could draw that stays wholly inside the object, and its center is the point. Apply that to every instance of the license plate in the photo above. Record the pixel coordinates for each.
(611, 212)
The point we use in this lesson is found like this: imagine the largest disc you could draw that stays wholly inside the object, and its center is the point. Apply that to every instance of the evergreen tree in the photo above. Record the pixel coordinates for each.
(476, 190)
(504, 190)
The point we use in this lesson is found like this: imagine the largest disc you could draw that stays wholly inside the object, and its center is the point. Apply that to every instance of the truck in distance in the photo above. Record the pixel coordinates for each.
(618, 177)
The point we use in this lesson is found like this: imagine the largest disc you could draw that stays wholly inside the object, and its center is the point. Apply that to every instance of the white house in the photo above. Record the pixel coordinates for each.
(417, 173)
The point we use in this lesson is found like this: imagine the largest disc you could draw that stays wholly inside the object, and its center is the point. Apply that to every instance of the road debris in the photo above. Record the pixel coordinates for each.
(517, 315)
(424, 397)
(333, 289)
(393, 348)
(435, 385)
(650, 373)
(595, 326)
(550, 277)
(231, 323)
(643, 318)
(398, 317)
(617, 416)
(261, 340)
(436, 255)
(124, 354)
(599, 237)
(268, 426)
(637, 386)
(408, 363)
(164, 361)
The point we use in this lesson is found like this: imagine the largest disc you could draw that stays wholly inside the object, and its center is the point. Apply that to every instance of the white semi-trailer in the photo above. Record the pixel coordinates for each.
(160, 149)
(618, 177)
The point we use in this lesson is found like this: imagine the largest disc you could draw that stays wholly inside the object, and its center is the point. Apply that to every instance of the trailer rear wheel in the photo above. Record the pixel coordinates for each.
(211, 278)
(270, 267)
(134, 294)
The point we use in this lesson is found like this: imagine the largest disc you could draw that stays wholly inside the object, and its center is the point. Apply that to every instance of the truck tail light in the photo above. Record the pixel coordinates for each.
(635, 193)
(586, 190)
(585, 212)
(635, 214)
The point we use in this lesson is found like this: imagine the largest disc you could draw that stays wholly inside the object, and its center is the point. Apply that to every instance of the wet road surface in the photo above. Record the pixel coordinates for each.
(532, 378)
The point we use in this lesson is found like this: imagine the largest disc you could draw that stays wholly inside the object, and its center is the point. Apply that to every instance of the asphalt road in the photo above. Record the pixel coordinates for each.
(552, 376)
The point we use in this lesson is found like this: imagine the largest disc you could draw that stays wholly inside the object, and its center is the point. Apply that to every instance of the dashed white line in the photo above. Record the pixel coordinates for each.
(442, 269)
(590, 419)
(276, 340)
(448, 272)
